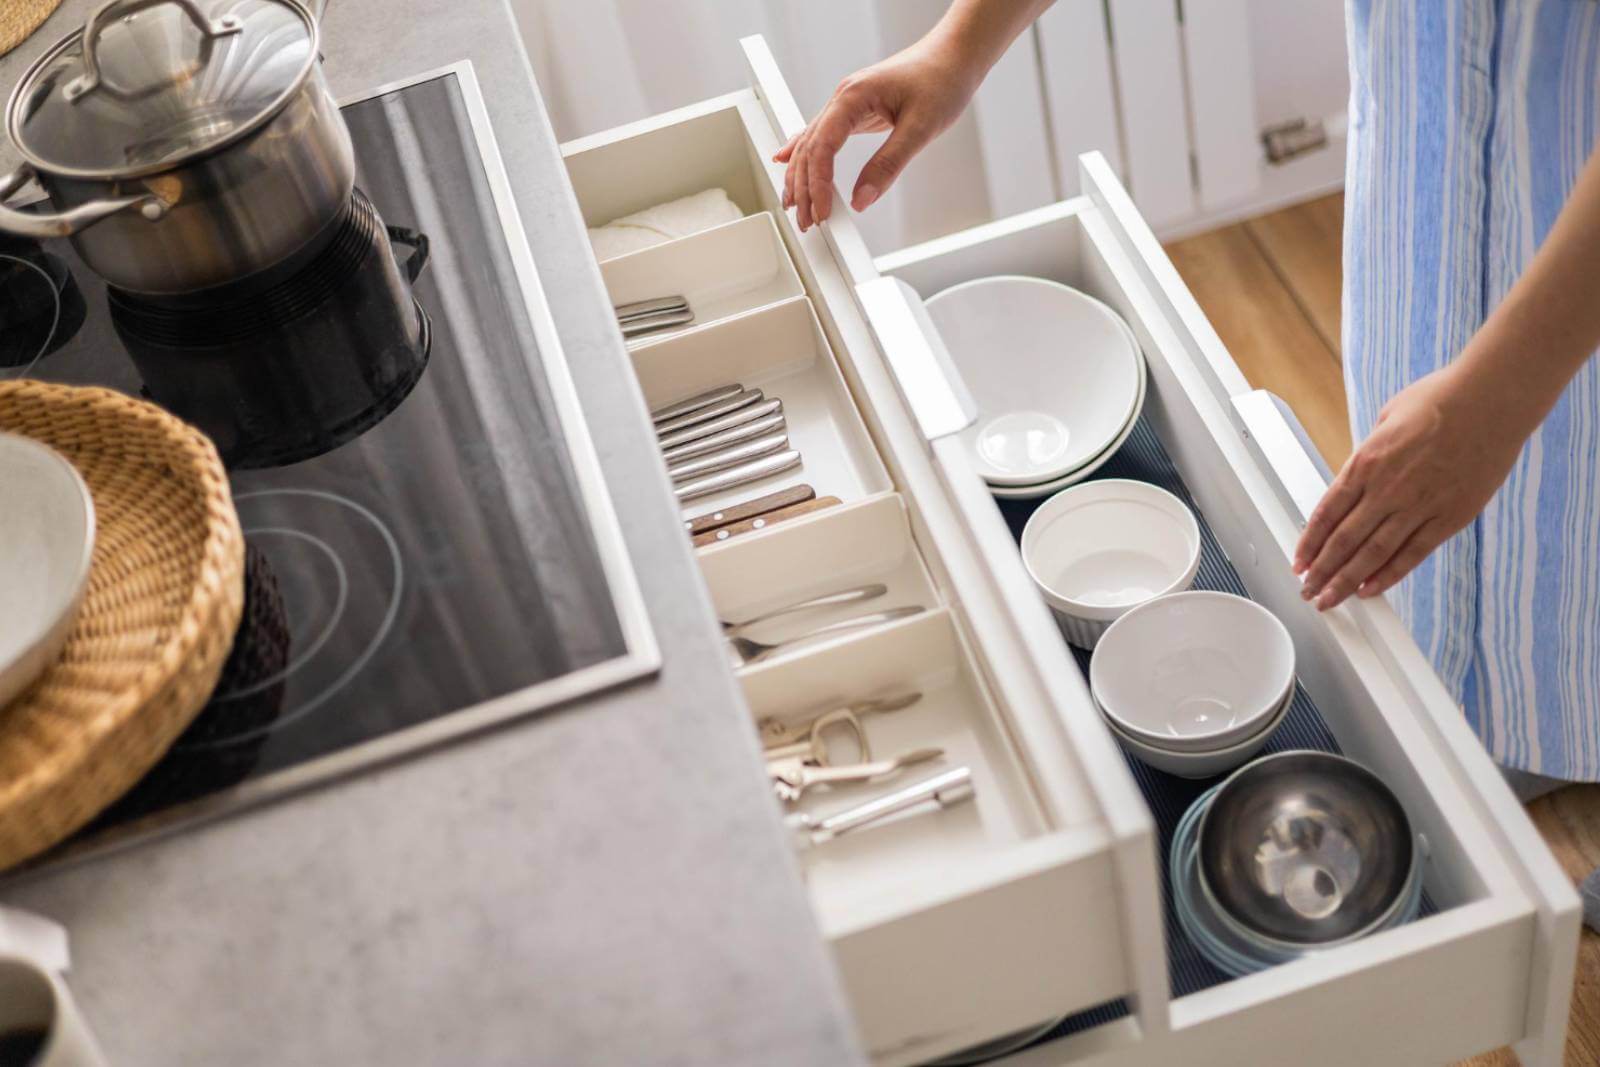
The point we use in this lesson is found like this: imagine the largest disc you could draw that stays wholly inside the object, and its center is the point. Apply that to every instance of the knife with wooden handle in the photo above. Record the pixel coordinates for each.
(761, 522)
(749, 509)
(732, 479)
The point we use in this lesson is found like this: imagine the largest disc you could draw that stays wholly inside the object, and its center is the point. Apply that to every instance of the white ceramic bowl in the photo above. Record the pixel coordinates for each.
(1193, 671)
(1051, 370)
(1099, 549)
(1033, 492)
(1202, 764)
(46, 539)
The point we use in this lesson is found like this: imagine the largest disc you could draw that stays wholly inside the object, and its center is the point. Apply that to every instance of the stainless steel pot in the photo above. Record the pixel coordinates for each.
(183, 144)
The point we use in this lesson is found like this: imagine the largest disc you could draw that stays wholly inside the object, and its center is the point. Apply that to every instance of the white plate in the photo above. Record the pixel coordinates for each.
(46, 540)
(1052, 372)
(1033, 492)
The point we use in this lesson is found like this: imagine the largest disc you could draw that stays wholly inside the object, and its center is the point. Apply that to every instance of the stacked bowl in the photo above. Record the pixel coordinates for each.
(1057, 378)
(1295, 853)
(1194, 683)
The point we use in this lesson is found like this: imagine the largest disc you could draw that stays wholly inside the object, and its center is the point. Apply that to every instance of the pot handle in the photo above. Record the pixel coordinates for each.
(418, 243)
(89, 80)
(41, 226)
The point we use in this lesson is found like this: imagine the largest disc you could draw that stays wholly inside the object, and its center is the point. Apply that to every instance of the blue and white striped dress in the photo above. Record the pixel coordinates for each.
(1469, 123)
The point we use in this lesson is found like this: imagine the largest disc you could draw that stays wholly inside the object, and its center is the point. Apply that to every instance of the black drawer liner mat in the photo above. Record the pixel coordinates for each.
(1143, 458)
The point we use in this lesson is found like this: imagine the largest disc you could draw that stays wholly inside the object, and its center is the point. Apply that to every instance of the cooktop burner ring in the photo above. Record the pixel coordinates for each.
(55, 319)
(341, 598)
(358, 662)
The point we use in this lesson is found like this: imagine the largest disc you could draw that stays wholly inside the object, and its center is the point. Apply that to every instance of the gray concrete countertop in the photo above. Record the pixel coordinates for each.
(605, 884)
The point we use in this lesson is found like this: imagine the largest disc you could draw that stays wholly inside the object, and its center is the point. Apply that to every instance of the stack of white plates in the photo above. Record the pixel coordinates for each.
(1057, 377)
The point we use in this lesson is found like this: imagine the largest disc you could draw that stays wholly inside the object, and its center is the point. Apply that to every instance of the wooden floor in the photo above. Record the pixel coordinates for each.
(1271, 287)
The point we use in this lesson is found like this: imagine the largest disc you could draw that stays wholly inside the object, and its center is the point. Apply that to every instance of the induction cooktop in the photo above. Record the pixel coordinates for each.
(449, 561)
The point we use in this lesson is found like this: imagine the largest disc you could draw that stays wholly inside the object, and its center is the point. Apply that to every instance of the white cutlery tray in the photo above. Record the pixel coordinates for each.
(835, 549)
(1047, 898)
(782, 351)
(724, 271)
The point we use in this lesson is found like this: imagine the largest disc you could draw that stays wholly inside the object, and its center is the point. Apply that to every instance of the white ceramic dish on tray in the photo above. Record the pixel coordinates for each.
(1195, 671)
(1206, 764)
(1097, 550)
(46, 541)
(1052, 371)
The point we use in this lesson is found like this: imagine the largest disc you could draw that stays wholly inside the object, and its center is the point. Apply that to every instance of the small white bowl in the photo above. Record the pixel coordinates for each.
(1193, 671)
(1202, 764)
(46, 541)
(1052, 371)
(1098, 550)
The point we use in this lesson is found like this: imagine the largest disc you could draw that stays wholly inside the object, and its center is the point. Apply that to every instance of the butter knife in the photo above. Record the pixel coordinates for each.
(729, 457)
(731, 479)
(718, 441)
(733, 403)
(696, 402)
(650, 307)
(726, 422)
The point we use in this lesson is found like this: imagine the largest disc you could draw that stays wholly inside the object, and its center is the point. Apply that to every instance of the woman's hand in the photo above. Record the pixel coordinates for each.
(917, 94)
(1440, 450)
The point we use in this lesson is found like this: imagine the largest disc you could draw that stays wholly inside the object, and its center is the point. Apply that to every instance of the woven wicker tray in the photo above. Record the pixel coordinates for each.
(166, 588)
(19, 18)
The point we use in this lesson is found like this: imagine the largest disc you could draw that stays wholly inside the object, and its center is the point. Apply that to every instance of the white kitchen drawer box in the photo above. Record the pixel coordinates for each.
(1044, 897)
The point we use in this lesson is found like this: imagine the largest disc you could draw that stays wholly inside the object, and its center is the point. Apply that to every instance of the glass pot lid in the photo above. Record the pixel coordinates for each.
(148, 84)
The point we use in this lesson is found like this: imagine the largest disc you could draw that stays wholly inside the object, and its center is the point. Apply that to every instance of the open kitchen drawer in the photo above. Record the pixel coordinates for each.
(1052, 902)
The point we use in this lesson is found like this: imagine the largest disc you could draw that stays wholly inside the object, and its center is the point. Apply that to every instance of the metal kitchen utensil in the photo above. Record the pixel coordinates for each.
(812, 745)
(718, 441)
(732, 456)
(943, 790)
(1307, 848)
(732, 479)
(749, 509)
(765, 409)
(771, 518)
(711, 411)
(778, 734)
(696, 402)
(183, 144)
(661, 320)
(792, 777)
(854, 595)
(642, 308)
(749, 652)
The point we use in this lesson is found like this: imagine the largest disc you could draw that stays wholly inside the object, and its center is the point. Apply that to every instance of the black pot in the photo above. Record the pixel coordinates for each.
(285, 368)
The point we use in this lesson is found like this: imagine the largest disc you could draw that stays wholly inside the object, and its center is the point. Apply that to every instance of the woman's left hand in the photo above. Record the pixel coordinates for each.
(1439, 452)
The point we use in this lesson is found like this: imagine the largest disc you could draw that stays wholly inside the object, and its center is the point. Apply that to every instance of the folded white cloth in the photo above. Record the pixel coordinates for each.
(33, 937)
(663, 223)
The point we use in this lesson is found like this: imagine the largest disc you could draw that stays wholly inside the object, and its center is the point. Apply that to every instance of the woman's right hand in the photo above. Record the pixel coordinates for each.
(916, 94)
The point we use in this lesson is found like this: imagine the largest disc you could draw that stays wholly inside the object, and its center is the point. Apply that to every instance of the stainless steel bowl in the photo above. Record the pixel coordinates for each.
(1306, 848)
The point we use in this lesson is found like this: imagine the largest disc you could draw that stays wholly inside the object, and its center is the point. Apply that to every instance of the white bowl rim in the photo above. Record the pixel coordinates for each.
(1108, 613)
(1134, 349)
(1255, 738)
(1244, 724)
(43, 626)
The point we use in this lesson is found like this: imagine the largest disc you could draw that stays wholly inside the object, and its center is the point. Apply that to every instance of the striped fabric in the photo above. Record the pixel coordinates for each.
(1469, 123)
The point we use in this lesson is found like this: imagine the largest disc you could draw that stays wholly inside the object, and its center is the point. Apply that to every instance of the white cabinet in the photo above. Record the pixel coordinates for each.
(1045, 897)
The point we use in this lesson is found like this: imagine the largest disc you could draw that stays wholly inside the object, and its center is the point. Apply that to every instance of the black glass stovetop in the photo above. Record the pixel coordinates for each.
(438, 559)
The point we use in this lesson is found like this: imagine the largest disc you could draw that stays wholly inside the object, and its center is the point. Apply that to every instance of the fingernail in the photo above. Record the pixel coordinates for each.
(866, 196)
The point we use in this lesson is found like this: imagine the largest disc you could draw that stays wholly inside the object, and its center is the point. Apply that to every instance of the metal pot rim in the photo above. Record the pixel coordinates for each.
(232, 137)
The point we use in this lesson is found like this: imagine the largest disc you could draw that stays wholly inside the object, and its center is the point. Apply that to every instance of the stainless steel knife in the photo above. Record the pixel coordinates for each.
(737, 476)
(712, 462)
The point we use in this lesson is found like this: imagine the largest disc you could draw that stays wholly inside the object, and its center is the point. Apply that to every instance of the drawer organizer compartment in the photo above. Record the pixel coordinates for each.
(1046, 895)
(781, 351)
(938, 915)
(850, 561)
(724, 271)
